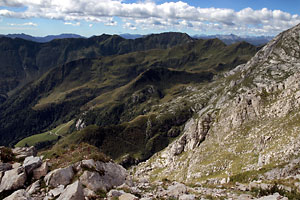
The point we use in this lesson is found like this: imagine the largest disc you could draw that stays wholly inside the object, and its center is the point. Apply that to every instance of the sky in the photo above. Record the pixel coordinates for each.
(95, 17)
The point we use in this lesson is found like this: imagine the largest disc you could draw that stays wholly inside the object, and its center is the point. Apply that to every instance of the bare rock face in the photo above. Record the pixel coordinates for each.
(30, 163)
(195, 132)
(19, 195)
(61, 176)
(72, 192)
(13, 179)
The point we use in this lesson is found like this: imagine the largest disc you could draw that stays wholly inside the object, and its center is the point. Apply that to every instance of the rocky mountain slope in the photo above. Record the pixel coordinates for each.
(246, 126)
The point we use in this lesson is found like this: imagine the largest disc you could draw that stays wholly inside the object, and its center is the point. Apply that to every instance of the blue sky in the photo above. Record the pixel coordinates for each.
(95, 17)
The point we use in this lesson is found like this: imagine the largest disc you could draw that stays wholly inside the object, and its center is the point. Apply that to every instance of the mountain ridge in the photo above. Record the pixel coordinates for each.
(227, 39)
(24, 61)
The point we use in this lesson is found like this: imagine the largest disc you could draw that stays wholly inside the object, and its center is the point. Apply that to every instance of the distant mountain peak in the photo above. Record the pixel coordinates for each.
(232, 38)
(45, 39)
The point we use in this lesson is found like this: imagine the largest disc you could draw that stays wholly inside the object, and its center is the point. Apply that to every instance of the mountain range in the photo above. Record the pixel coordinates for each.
(227, 39)
(221, 118)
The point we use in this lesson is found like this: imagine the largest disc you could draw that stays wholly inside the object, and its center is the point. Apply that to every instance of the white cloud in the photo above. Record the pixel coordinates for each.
(91, 25)
(72, 24)
(130, 26)
(111, 23)
(149, 15)
(24, 24)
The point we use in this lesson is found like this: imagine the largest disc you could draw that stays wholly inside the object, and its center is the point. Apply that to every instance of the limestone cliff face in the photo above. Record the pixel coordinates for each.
(246, 120)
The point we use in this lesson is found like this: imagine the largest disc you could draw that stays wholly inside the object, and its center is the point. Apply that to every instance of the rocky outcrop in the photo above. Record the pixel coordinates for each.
(89, 179)
(194, 133)
(82, 180)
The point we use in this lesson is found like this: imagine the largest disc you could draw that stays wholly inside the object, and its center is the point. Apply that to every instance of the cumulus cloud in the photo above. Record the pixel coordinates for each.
(149, 15)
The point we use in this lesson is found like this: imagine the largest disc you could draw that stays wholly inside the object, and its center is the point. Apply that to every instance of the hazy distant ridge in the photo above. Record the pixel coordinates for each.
(227, 39)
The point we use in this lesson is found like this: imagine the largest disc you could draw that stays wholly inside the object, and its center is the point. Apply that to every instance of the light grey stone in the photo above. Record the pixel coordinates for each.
(93, 181)
(187, 197)
(18, 195)
(56, 191)
(175, 190)
(72, 192)
(13, 179)
(41, 171)
(61, 176)
(275, 196)
(16, 165)
(30, 163)
(105, 176)
(34, 187)
(23, 152)
(89, 193)
(128, 196)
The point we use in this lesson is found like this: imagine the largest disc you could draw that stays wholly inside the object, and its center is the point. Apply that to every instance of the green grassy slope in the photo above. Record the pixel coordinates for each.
(47, 138)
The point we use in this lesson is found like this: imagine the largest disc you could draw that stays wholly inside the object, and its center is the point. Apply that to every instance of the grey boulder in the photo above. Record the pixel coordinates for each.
(13, 179)
(72, 192)
(18, 195)
(30, 163)
(61, 176)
